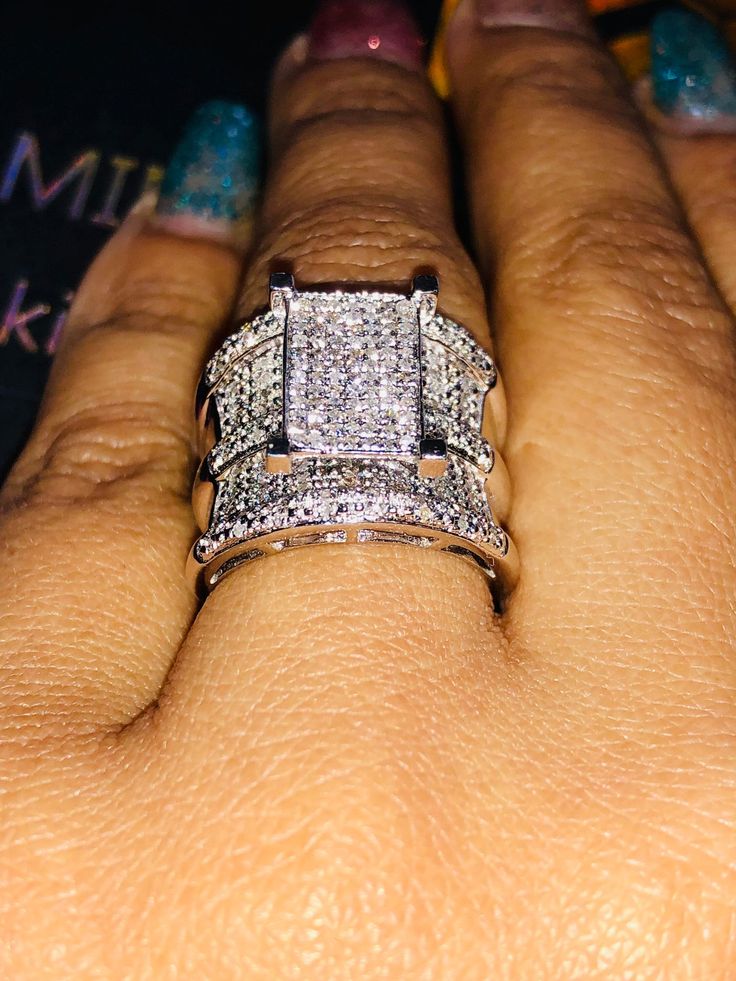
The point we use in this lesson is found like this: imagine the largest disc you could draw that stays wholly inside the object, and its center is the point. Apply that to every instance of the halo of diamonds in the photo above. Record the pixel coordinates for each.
(356, 386)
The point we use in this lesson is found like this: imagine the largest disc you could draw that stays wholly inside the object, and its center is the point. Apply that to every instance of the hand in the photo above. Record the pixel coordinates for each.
(347, 766)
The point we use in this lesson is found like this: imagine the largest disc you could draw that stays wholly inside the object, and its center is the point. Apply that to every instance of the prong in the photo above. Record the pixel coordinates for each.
(280, 291)
(281, 281)
(432, 457)
(425, 290)
(278, 455)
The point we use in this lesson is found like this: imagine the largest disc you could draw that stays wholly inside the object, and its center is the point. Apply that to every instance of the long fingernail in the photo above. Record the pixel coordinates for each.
(383, 29)
(693, 71)
(211, 183)
(570, 16)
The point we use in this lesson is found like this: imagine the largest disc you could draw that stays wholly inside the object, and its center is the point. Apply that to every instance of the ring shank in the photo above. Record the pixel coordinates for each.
(501, 570)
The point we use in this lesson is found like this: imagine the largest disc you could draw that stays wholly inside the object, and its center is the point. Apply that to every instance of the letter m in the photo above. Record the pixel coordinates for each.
(25, 155)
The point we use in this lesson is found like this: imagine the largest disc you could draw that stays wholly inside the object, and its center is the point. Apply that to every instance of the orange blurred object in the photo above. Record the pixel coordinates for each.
(631, 49)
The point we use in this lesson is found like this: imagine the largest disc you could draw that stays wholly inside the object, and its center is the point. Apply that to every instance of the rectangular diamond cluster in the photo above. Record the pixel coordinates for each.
(352, 374)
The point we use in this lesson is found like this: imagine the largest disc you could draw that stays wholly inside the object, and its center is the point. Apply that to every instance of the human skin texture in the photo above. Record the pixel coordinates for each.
(344, 764)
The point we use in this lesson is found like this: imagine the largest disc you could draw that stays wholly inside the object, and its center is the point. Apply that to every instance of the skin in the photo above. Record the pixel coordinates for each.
(347, 766)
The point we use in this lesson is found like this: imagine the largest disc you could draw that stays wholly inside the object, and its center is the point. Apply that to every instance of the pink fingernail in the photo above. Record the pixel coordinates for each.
(570, 16)
(383, 29)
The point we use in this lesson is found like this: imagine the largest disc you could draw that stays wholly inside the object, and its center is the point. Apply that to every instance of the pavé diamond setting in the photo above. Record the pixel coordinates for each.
(348, 416)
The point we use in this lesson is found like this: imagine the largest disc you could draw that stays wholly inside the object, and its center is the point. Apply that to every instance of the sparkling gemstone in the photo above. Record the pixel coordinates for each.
(354, 415)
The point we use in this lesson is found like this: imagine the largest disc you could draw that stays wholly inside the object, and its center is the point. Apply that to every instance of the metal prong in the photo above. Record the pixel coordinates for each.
(278, 455)
(425, 290)
(432, 457)
(280, 291)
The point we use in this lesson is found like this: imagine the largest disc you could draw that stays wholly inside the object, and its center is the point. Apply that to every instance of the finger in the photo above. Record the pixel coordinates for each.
(690, 101)
(320, 694)
(358, 193)
(615, 346)
(96, 511)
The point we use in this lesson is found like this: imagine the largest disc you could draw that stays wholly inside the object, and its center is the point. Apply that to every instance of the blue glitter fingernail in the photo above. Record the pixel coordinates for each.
(214, 171)
(692, 67)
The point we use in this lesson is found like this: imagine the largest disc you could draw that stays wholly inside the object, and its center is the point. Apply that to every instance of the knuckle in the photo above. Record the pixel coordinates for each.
(355, 154)
(164, 287)
(371, 89)
(384, 241)
(359, 138)
(567, 74)
(144, 308)
(629, 265)
(325, 123)
(135, 328)
(625, 241)
(333, 231)
(101, 454)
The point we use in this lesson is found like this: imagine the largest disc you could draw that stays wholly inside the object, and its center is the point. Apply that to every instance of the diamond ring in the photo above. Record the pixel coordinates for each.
(349, 416)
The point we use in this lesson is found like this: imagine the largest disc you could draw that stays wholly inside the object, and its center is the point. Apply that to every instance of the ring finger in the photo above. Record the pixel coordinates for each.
(332, 688)
(358, 193)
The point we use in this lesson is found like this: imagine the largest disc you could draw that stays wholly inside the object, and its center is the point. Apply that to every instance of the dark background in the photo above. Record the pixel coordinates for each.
(119, 81)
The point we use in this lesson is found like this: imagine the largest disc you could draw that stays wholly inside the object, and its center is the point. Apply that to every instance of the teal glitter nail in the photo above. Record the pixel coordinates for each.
(214, 170)
(693, 70)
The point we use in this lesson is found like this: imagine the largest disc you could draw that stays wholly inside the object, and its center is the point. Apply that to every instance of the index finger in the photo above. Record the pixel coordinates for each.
(96, 510)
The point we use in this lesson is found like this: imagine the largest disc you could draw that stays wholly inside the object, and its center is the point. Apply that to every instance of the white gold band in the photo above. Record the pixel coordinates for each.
(348, 416)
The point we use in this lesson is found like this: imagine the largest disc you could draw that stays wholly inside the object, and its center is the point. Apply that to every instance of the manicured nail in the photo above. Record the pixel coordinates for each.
(693, 72)
(570, 16)
(383, 29)
(211, 183)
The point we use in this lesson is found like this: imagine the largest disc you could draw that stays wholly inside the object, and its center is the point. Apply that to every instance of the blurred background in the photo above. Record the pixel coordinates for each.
(93, 99)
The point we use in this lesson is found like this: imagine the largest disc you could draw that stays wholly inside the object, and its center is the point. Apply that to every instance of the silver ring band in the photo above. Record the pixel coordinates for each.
(349, 417)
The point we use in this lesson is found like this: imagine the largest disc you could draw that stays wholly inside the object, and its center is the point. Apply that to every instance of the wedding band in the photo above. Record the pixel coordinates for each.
(349, 416)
